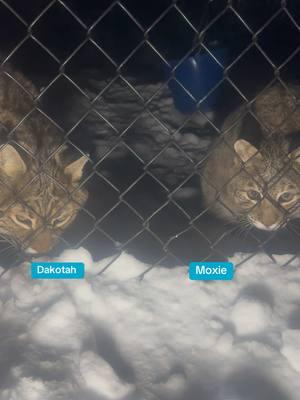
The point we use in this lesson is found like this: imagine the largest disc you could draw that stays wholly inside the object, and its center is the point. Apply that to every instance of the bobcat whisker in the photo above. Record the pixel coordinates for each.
(6, 249)
(228, 223)
(249, 229)
(237, 229)
(294, 225)
(245, 226)
(241, 229)
(38, 186)
(255, 181)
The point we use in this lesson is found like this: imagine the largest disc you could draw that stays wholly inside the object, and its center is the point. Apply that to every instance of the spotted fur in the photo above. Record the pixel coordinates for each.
(257, 186)
(40, 193)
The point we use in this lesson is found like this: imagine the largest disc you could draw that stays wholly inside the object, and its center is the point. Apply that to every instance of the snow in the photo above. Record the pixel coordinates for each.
(123, 335)
(158, 133)
(291, 347)
(251, 317)
(99, 376)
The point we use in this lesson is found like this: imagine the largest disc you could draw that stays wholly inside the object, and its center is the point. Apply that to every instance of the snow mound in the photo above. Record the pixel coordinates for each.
(101, 378)
(291, 347)
(250, 317)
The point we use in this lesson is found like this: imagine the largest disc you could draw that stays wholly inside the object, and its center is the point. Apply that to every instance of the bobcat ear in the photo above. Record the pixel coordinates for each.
(11, 163)
(295, 155)
(75, 169)
(244, 149)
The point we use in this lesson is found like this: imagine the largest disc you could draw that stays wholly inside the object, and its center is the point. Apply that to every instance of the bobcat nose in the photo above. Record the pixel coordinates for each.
(42, 243)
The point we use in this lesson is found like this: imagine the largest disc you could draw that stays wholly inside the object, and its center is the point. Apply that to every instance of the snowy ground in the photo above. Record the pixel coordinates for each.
(115, 336)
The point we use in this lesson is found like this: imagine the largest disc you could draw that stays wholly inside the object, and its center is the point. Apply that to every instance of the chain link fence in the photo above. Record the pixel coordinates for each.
(112, 82)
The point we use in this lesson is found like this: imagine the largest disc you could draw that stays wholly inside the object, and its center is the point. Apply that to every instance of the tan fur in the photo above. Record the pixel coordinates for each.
(236, 171)
(40, 192)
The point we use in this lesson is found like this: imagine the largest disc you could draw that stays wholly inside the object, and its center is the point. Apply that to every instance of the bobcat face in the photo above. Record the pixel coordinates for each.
(266, 193)
(268, 207)
(37, 205)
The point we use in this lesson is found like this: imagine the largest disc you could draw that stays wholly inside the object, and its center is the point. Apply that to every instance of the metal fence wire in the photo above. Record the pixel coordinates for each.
(130, 114)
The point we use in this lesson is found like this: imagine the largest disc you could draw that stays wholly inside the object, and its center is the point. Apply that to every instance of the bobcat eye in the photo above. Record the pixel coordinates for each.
(57, 222)
(24, 221)
(254, 195)
(286, 197)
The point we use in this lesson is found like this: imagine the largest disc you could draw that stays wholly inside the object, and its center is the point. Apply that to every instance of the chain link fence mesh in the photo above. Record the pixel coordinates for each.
(146, 156)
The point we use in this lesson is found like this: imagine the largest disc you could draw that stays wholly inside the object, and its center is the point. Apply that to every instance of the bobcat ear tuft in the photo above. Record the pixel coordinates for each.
(11, 163)
(75, 169)
(295, 155)
(244, 149)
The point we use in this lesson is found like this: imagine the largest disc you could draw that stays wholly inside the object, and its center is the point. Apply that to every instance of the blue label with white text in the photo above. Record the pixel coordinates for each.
(57, 270)
(211, 271)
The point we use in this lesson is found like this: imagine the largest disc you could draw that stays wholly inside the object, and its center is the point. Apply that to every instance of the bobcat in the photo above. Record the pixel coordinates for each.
(257, 187)
(40, 193)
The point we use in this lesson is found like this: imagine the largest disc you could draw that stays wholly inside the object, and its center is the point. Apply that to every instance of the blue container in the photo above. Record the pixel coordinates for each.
(198, 74)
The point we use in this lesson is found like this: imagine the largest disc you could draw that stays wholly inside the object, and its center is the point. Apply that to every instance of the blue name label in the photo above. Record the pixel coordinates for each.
(57, 270)
(211, 271)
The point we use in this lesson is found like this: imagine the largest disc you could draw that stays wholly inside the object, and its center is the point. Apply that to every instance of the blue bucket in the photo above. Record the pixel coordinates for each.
(198, 74)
